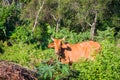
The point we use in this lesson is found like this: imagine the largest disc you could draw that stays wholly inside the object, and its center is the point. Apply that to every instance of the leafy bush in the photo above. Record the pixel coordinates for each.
(25, 54)
(108, 34)
(20, 34)
(55, 70)
(70, 36)
(9, 17)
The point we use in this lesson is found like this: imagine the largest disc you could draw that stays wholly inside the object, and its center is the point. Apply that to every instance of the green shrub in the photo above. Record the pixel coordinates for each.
(105, 35)
(55, 70)
(70, 36)
(25, 54)
(9, 17)
(20, 34)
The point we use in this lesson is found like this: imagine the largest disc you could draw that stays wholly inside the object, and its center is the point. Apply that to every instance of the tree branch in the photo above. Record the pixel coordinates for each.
(95, 19)
(8, 2)
(37, 16)
(93, 26)
(5, 3)
(88, 23)
(53, 17)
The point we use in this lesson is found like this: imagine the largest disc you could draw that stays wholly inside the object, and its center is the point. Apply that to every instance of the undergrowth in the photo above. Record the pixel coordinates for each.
(105, 67)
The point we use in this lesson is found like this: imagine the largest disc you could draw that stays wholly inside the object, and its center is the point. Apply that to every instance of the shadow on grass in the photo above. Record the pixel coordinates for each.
(1, 51)
(73, 75)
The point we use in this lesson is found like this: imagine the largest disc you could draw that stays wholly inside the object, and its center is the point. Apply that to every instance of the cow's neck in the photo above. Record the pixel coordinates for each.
(62, 53)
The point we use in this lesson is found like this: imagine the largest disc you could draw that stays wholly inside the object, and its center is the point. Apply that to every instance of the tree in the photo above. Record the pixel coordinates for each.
(92, 11)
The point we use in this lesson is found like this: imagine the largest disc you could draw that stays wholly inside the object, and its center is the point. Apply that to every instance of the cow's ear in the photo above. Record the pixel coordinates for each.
(51, 45)
(66, 45)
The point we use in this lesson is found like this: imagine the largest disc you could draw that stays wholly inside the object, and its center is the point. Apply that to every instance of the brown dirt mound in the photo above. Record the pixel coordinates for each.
(12, 71)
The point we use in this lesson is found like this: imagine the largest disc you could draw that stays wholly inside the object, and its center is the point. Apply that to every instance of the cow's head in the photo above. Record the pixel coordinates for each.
(56, 44)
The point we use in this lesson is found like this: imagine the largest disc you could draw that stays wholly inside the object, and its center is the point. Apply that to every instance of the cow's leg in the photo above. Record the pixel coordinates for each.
(66, 60)
(59, 58)
(70, 62)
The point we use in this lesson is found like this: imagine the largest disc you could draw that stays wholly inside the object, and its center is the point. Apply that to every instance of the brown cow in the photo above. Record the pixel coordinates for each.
(68, 53)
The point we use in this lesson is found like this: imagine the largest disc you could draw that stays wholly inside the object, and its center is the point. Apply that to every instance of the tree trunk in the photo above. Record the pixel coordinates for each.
(92, 32)
(57, 22)
(57, 25)
(93, 27)
(35, 23)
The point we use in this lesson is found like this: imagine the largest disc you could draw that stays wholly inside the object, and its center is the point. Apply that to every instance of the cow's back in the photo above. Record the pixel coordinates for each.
(90, 49)
(86, 50)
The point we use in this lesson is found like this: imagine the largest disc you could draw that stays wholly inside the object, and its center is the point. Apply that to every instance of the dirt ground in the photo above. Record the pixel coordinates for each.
(12, 71)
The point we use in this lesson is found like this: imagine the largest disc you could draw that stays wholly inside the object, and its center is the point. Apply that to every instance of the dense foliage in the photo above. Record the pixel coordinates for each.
(26, 27)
